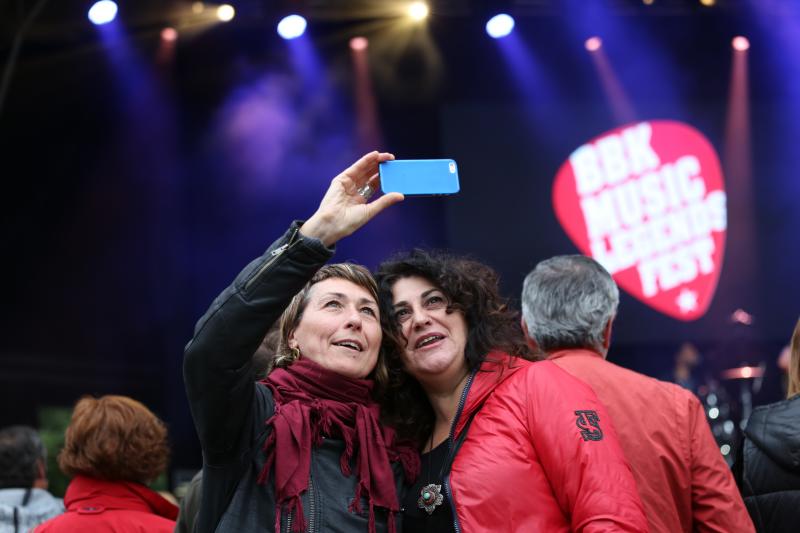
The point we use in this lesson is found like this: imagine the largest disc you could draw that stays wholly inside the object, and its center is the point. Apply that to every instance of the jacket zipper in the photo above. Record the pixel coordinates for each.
(451, 440)
(311, 499)
(311, 510)
(274, 255)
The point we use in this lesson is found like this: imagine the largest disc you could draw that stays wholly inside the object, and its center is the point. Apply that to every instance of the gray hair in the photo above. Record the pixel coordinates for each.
(567, 301)
(21, 450)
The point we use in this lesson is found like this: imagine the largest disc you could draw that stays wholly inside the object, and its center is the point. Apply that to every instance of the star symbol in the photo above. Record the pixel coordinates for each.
(687, 301)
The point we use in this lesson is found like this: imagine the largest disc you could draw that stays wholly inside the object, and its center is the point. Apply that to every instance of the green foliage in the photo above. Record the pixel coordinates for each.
(53, 421)
(161, 483)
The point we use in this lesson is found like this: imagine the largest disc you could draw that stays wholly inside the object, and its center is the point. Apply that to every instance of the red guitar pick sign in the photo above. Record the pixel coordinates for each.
(648, 202)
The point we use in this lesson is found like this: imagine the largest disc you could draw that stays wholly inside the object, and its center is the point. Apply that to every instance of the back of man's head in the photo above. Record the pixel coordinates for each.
(568, 302)
(22, 457)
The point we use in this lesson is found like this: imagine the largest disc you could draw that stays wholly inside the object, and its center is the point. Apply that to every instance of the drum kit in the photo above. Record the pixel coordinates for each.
(750, 379)
(744, 372)
(718, 404)
(720, 415)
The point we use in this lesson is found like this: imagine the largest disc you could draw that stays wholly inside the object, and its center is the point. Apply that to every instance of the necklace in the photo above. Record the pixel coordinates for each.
(430, 495)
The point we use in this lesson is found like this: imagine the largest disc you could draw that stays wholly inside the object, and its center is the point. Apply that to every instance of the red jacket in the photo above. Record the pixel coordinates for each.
(112, 506)
(684, 482)
(540, 455)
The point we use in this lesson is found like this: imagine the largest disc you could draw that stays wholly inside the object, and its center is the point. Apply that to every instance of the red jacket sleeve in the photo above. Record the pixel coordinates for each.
(580, 454)
(717, 505)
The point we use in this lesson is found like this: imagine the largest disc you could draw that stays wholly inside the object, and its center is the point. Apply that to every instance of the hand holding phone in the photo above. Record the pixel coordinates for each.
(419, 177)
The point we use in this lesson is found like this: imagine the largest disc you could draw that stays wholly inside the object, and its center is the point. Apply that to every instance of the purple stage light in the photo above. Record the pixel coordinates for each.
(740, 43)
(292, 27)
(103, 12)
(499, 26)
(593, 44)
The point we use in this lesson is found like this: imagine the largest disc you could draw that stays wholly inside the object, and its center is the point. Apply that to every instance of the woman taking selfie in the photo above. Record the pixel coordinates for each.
(303, 449)
(508, 444)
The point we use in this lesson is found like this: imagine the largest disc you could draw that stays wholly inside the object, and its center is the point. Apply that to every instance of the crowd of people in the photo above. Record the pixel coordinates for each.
(415, 399)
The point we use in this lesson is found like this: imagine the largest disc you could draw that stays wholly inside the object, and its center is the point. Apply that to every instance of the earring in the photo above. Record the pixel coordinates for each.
(294, 353)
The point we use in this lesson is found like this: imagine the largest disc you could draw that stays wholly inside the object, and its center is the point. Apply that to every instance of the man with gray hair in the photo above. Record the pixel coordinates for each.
(24, 500)
(568, 308)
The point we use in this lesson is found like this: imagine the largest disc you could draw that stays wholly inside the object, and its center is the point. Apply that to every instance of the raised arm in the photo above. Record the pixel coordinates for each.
(346, 206)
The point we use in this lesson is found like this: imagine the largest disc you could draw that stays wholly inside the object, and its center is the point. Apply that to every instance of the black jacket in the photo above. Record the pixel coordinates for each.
(768, 468)
(229, 410)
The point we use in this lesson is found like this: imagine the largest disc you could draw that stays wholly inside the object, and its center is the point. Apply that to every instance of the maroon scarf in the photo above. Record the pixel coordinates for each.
(312, 402)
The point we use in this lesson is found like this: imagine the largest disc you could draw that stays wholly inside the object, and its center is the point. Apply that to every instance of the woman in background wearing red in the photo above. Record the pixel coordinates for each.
(114, 446)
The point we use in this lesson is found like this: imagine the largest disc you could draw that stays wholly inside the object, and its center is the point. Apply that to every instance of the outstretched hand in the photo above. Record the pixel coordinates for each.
(344, 209)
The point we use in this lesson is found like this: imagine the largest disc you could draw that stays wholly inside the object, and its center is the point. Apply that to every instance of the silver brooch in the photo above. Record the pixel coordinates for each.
(430, 496)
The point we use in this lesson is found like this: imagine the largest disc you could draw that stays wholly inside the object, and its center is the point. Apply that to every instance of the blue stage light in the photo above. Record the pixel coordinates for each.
(103, 12)
(292, 26)
(500, 25)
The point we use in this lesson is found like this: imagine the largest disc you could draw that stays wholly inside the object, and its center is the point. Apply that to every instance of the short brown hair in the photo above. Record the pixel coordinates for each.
(794, 362)
(114, 438)
(291, 317)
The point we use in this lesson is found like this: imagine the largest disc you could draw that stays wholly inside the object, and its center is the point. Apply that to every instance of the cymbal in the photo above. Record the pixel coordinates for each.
(743, 372)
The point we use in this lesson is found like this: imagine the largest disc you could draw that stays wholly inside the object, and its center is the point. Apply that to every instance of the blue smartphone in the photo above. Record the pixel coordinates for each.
(419, 177)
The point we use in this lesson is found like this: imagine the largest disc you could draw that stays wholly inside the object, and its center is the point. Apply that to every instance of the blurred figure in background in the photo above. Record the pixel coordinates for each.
(190, 504)
(114, 445)
(24, 500)
(262, 363)
(784, 358)
(767, 467)
(569, 304)
(686, 360)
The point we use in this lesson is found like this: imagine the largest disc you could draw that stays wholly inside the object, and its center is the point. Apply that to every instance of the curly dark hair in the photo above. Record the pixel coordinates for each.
(472, 288)
(114, 438)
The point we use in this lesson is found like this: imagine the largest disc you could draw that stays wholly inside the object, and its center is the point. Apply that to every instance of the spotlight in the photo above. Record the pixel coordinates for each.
(740, 316)
(593, 44)
(359, 43)
(708, 3)
(292, 27)
(499, 26)
(647, 2)
(740, 43)
(225, 12)
(418, 10)
(103, 12)
(198, 7)
(169, 34)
